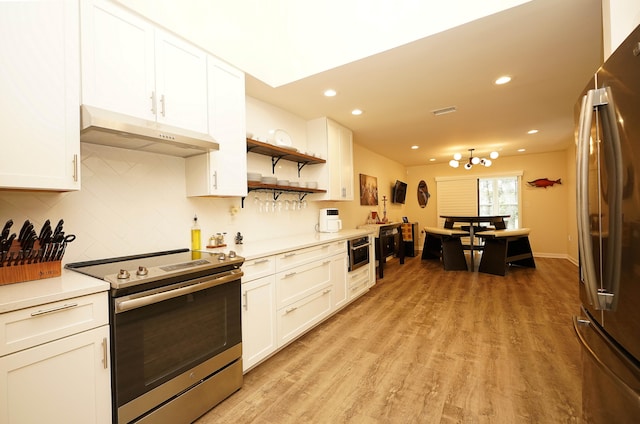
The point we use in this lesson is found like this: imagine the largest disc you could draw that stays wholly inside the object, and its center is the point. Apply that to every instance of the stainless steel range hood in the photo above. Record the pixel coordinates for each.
(99, 126)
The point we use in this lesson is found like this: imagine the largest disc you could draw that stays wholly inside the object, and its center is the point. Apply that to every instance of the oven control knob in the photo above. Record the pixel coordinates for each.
(222, 257)
(232, 254)
(142, 271)
(123, 274)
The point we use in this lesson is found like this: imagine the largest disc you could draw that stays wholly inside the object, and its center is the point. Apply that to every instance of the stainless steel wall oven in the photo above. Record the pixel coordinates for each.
(176, 333)
(358, 249)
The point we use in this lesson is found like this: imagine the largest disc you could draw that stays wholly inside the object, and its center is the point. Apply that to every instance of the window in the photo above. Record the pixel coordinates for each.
(500, 196)
(497, 194)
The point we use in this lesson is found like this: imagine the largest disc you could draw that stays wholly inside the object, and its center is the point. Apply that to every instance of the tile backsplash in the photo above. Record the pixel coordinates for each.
(135, 202)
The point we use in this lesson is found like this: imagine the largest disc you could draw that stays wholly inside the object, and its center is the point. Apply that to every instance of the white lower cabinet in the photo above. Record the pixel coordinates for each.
(339, 264)
(358, 282)
(287, 294)
(258, 320)
(296, 318)
(53, 369)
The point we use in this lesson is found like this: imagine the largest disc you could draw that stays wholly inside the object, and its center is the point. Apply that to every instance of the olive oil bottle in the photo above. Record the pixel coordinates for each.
(195, 238)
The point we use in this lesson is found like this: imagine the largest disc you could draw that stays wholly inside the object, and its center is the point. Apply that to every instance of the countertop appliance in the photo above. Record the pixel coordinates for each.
(608, 197)
(329, 221)
(176, 334)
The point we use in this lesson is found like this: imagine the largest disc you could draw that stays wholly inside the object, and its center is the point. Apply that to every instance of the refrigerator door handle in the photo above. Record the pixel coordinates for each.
(613, 158)
(581, 324)
(585, 247)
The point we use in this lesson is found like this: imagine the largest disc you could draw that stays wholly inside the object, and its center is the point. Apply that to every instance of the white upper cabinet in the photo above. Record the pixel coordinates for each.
(222, 172)
(132, 67)
(334, 142)
(39, 104)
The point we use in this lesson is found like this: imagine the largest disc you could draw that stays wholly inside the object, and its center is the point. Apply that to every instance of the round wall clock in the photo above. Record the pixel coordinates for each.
(423, 194)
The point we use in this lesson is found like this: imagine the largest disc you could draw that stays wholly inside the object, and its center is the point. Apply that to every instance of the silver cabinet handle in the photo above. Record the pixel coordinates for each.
(214, 177)
(75, 168)
(288, 255)
(105, 354)
(260, 261)
(162, 105)
(289, 310)
(245, 296)
(153, 102)
(54, 309)
(291, 274)
(326, 291)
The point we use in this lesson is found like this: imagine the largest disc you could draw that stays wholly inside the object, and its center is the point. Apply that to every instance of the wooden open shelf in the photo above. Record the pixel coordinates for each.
(266, 149)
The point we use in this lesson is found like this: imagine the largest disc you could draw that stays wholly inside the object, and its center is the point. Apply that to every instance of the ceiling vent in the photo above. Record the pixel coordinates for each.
(444, 110)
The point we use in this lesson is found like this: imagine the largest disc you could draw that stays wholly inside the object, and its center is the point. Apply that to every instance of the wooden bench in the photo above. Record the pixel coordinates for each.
(503, 248)
(445, 244)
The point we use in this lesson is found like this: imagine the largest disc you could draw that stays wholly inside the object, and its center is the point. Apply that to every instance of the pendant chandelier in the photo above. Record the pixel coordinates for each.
(473, 160)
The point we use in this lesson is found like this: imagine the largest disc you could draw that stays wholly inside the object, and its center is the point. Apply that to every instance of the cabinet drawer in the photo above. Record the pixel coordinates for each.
(258, 268)
(337, 247)
(294, 258)
(358, 282)
(301, 281)
(41, 324)
(302, 315)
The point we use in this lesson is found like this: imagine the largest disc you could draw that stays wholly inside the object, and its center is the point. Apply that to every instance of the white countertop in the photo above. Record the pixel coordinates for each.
(257, 249)
(38, 292)
(72, 284)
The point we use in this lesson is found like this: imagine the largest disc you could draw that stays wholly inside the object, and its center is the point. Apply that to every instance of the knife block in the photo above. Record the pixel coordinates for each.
(27, 272)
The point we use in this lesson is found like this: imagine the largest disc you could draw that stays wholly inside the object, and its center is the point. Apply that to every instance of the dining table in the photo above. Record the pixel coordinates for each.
(495, 221)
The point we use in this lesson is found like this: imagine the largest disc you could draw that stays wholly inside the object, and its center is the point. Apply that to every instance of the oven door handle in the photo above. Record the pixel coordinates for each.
(360, 246)
(124, 305)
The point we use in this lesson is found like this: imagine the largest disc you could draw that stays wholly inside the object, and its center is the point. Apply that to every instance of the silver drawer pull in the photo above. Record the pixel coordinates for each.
(288, 255)
(56, 309)
(260, 261)
(326, 291)
(289, 310)
(291, 274)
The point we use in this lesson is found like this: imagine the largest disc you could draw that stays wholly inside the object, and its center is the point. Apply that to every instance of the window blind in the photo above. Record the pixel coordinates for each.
(456, 197)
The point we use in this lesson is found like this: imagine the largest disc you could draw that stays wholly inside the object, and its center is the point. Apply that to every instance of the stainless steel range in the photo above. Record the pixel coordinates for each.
(176, 335)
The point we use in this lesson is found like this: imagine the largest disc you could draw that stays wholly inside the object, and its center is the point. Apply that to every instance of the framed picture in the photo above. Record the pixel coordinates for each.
(368, 190)
(405, 219)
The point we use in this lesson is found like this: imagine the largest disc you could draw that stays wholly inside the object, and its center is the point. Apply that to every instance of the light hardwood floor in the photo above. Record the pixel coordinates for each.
(429, 346)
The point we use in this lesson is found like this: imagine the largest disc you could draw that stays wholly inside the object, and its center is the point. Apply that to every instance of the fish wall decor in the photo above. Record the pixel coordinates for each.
(544, 182)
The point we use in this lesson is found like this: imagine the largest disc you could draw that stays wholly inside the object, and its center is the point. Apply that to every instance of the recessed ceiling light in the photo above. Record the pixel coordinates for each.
(503, 80)
(415, 147)
(532, 131)
(522, 150)
(330, 92)
(432, 160)
(356, 112)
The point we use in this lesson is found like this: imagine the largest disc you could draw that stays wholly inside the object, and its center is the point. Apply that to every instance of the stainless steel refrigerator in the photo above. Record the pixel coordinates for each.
(608, 204)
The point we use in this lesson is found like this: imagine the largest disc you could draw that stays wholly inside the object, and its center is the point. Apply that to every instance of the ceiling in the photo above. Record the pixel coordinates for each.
(550, 48)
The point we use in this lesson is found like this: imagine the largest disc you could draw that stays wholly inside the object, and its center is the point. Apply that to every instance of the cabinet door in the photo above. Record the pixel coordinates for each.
(300, 316)
(345, 171)
(181, 83)
(222, 172)
(335, 142)
(258, 320)
(39, 82)
(117, 60)
(339, 280)
(64, 381)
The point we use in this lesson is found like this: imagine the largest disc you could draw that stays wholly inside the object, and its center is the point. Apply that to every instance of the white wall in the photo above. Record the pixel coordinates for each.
(620, 17)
